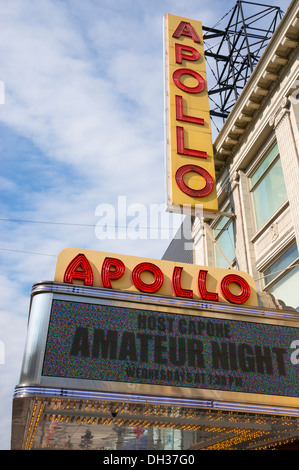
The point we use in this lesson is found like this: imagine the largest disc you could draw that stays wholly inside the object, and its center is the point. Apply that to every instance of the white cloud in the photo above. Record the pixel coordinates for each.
(56, 96)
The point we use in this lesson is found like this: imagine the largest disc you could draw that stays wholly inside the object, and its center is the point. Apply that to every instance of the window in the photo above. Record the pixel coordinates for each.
(225, 241)
(282, 278)
(268, 187)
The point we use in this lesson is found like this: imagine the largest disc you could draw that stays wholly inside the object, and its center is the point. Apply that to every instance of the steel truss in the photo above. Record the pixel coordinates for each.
(233, 52)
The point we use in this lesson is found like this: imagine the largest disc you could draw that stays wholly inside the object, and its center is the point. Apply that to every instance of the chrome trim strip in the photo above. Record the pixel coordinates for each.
(61, 288)
(30, 392)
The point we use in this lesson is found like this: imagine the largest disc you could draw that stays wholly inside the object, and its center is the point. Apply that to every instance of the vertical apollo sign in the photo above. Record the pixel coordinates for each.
(190, 162)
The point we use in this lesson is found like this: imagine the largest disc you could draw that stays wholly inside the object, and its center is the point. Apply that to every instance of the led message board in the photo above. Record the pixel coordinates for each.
(120, 344)
(190, 160)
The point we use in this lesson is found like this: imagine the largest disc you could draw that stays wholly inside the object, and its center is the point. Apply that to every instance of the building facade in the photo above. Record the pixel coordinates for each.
(256, 159)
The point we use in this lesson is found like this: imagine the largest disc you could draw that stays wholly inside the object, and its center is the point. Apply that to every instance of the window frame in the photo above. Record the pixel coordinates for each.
(280, 274)
(257, 164)
(230, 221)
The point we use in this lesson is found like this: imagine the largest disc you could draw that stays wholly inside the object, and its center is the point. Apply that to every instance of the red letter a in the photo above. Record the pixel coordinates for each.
(185, 29)
(79, 268)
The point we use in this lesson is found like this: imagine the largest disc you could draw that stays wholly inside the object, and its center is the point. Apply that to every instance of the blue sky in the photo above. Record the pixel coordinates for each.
(82, 124)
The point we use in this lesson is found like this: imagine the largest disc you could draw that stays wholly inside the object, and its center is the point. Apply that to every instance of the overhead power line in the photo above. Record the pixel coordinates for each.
(49, 222)
(46, 222)
(27, 252)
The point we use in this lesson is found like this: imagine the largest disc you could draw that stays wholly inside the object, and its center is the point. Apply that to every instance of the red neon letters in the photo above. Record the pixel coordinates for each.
(202, 287)
(79, 268)
(185, 29)
(118, 269)
(181, 145)
(114, 269)
(180, 116)
(195, 89)
(176, 284)
(179, 55)
(245, 289)
(141, 285)
(183, 170)
(188, 53)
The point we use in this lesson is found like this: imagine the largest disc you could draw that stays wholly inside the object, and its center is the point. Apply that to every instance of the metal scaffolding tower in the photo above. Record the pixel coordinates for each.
(232, 53)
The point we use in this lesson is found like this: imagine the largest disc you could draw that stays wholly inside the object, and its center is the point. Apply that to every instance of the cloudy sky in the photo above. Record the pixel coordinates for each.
(82, 128)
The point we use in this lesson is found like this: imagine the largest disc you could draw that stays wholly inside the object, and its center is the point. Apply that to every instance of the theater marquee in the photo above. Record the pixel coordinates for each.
(119, 330)
(118, 342)
(190, 162)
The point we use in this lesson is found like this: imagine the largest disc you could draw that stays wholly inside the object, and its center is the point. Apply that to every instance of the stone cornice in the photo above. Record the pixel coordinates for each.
(280, 112)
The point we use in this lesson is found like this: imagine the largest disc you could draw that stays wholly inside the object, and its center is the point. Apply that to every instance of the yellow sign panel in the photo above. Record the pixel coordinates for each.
(152, 276)
(190, 161)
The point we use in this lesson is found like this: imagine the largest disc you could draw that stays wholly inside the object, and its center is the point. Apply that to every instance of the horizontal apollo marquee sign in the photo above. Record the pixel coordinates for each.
(165, 278)
(190, 160)
(124, 344)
